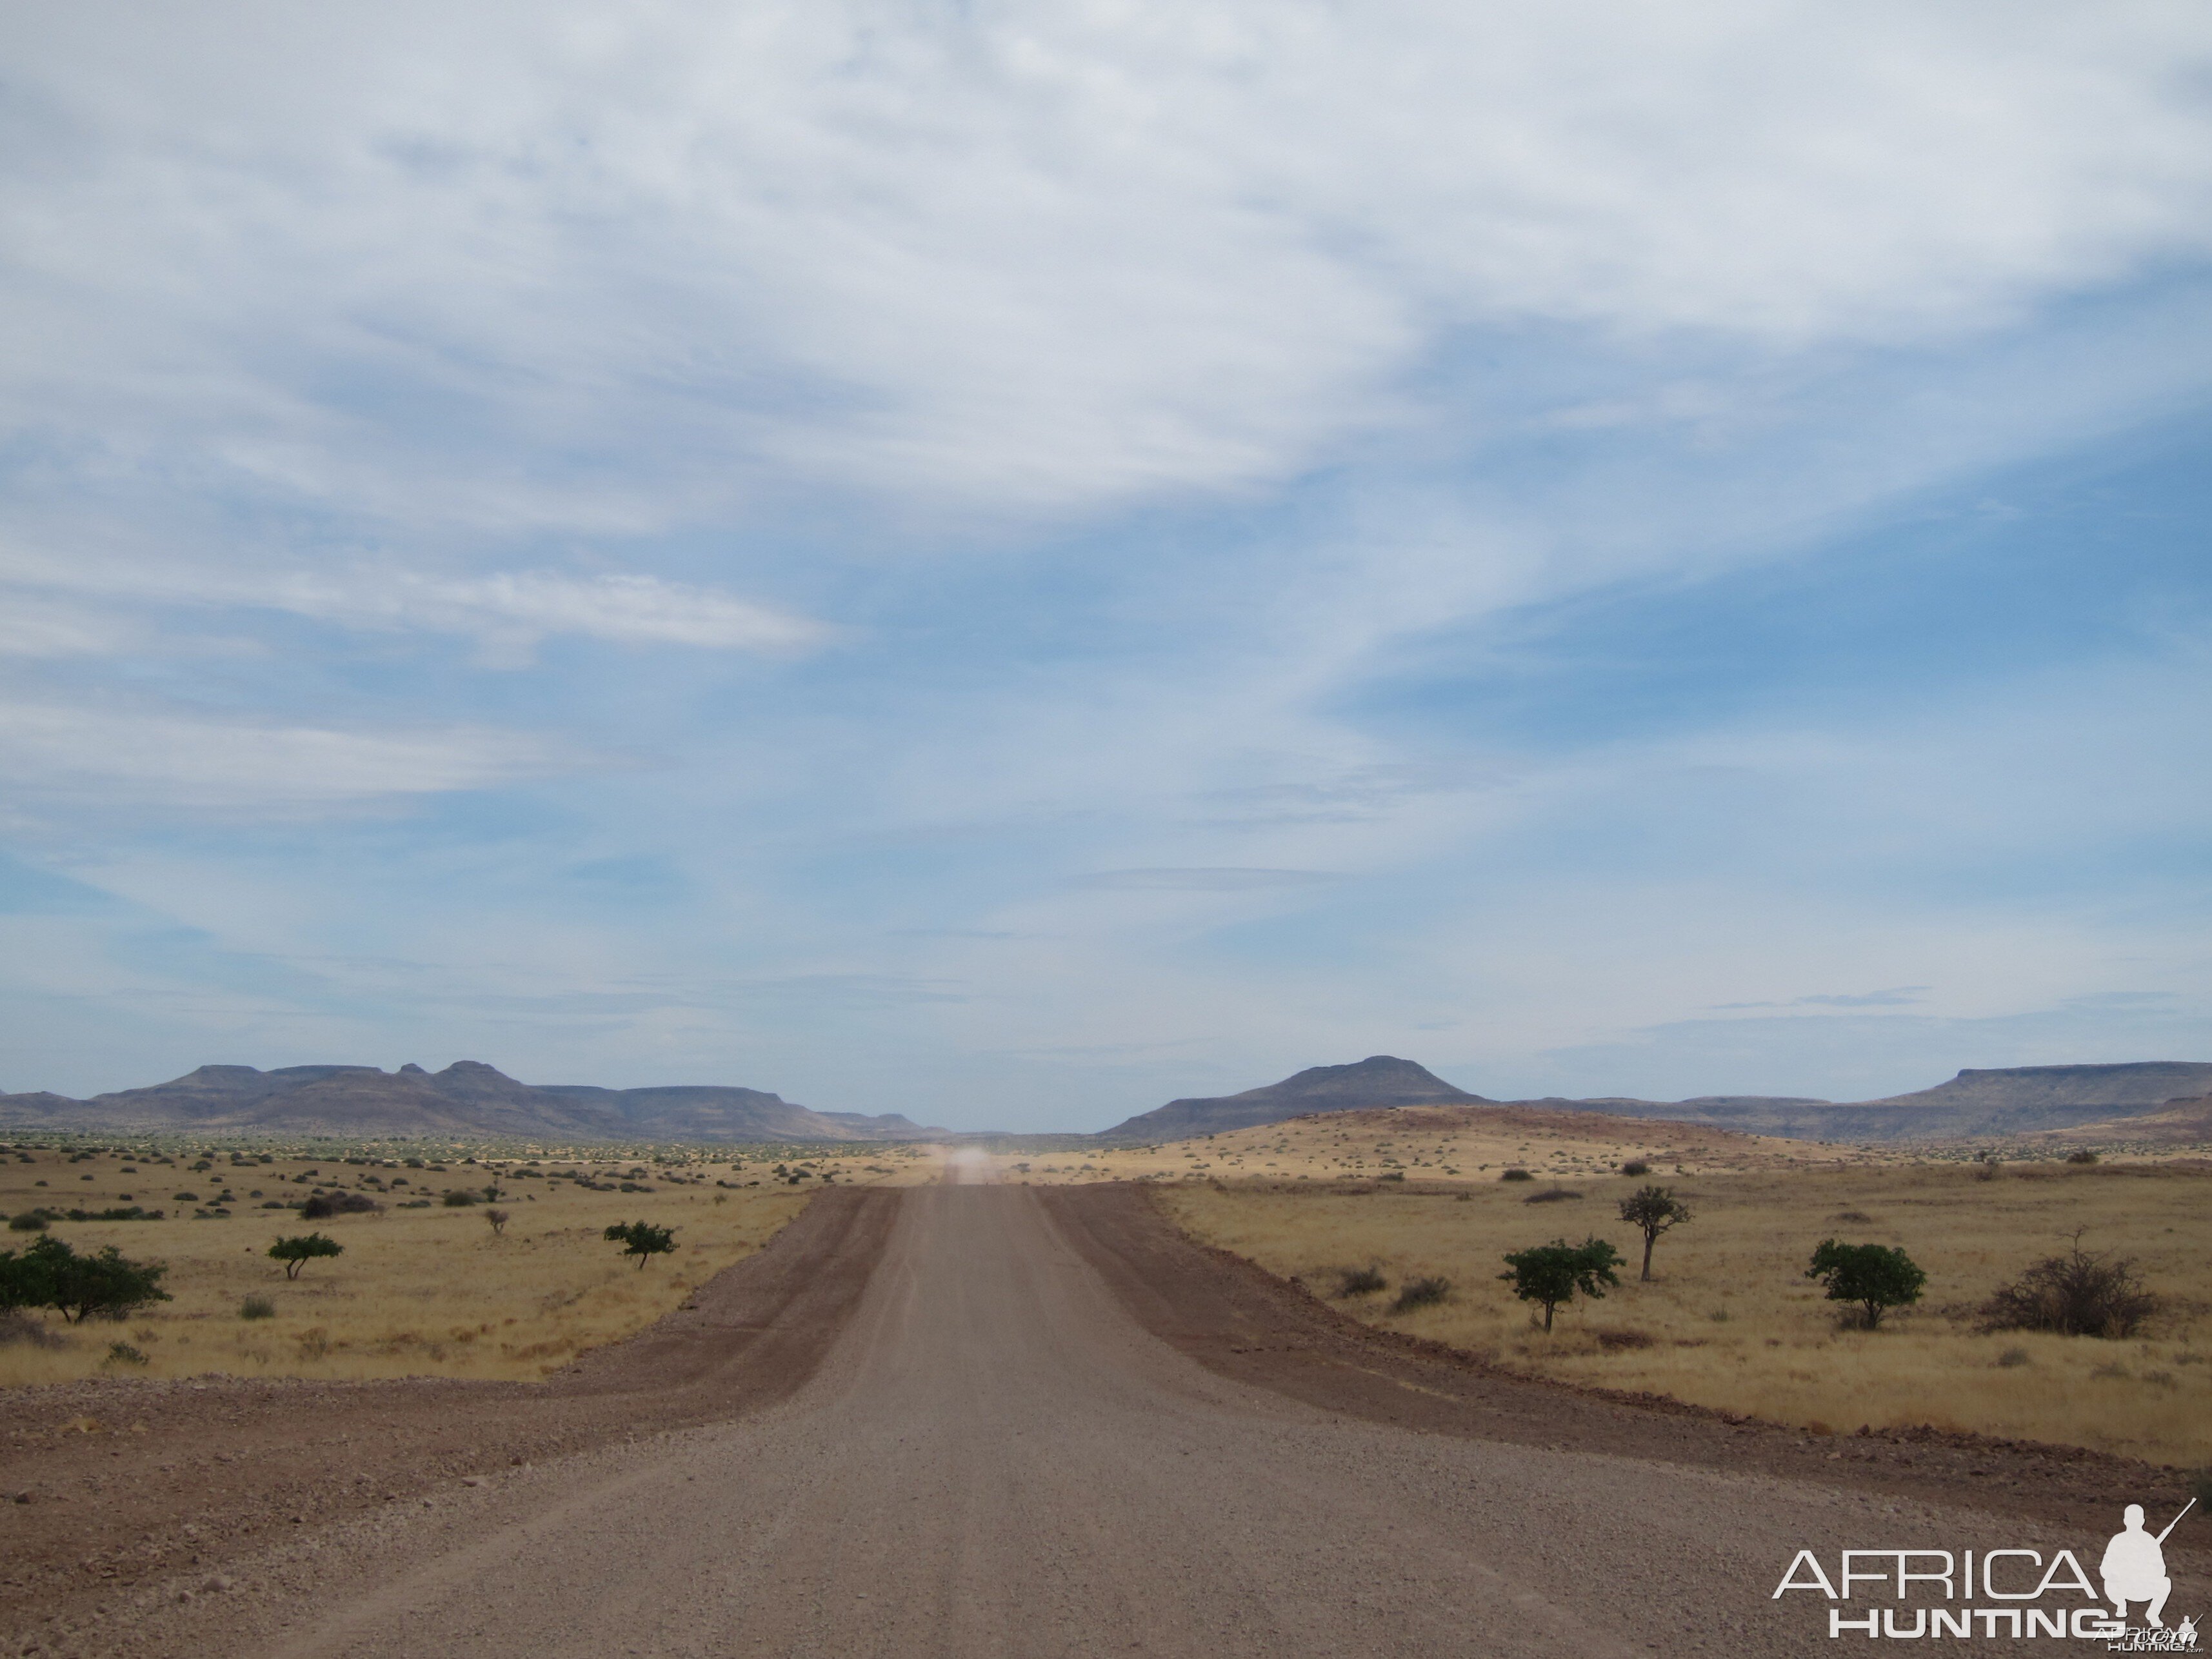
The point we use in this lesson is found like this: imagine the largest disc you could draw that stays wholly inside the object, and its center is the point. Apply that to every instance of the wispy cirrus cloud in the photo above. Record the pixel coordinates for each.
(251, 768)
(85, 607)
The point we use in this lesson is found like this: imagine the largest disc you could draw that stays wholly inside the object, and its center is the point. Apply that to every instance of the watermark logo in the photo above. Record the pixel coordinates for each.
(2025, 1595)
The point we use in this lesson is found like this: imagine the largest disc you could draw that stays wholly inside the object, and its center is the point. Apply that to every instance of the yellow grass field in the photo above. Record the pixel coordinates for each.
(427, 1291)
(1731, 1322)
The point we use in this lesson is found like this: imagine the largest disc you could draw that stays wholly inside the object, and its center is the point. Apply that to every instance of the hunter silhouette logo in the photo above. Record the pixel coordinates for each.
(2133, 1568)
(2010, 1593)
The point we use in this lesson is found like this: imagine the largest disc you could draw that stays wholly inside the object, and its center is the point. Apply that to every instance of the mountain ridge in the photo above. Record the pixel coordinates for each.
(468, 1097)
(1378, 1080)
(1985, 1104)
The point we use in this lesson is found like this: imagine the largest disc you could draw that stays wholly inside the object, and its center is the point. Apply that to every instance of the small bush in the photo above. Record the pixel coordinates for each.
(257, 1307)
(1516, 1175)
(459, 1198)
(323, 1206)
(123, 1353)
(1360, 1281)
(1618, 1341)
(1421, 1293)
(498, 1219)
(1636, 1166)
(1552, 1195)
(2077, 1294)
(2081, 1155)
(16, 1326)
(30, 1221)
(2012, 1356)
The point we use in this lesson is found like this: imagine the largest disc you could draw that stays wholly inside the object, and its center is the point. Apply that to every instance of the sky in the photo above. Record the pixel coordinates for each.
(1010, 562)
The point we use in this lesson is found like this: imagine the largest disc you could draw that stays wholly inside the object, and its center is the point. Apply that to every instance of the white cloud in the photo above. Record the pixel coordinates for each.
(499, 265)
(525, 605)
(510, 611)
(250, 768)
(31, 626)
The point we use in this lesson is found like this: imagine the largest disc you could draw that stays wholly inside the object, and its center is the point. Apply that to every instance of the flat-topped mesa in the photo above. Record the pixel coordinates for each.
(1378, 1080)
(467, 1098)
(1995, 1103)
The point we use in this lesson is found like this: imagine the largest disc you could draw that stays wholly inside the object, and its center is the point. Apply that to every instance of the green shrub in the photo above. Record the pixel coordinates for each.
(257, 1307)
(1516, 1175)
(1421, 1293)
(30, 1221)
(1636, 1166)
(123, 1353)
(1552, 1195)
(50, 1274)
(1875, 1276)
(1360, 1281)
(1548, 1275)
(642, 1239)
(296, 1253)
(459, 1198)
(2081, 1155)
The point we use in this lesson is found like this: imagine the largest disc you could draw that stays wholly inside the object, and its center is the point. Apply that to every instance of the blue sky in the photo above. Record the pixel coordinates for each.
(1009, 562)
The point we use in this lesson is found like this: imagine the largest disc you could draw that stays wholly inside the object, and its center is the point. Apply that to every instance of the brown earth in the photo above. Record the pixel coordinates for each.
(117, 1483)
(970, 1421)
(1242, 1322)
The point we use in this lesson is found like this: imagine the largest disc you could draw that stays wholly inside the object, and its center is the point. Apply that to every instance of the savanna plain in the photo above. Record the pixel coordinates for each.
(461, 1262)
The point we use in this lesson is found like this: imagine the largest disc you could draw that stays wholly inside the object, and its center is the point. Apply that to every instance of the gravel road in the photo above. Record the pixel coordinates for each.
(996, 1457)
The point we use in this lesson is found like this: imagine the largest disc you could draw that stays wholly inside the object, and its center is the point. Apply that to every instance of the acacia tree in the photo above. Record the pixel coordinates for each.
(642, 1239)
(50, 1274)
(1654, 1210)
(1878, 1277)
(296, 1253)
(1549, 1274)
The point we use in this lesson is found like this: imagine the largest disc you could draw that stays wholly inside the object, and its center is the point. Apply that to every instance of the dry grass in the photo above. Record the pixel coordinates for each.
(1469, 1144)
(1731, 1322)
(418, 1290)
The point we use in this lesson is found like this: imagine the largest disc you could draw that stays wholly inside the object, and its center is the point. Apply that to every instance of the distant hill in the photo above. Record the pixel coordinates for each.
(1378, 1080)
(2177, 1124)
(467, 1098)
(1974, 1105)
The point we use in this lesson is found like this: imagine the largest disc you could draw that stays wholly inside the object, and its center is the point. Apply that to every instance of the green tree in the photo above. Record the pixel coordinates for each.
(1654, 1210)
(1551, 1274)
(1875, 1276)
(643, 1240)
(50, 1274)
(297, 1253)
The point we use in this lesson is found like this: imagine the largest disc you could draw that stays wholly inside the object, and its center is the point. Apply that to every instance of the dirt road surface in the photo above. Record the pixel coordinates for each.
(1015, 1448)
